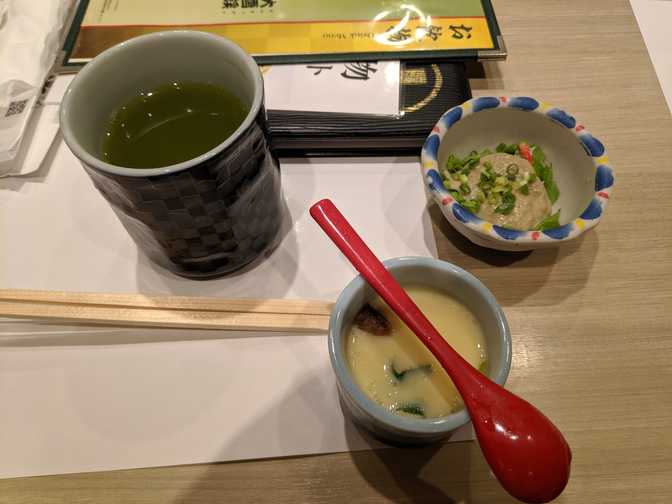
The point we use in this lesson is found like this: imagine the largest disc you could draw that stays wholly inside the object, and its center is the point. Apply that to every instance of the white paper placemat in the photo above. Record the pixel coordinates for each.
(91, 398)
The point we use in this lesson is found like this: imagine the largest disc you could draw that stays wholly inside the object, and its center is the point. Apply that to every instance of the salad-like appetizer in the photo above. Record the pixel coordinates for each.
(512, 187)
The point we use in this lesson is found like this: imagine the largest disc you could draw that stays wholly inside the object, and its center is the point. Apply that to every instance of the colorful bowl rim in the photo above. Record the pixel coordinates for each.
(604, 177)
(347, 382)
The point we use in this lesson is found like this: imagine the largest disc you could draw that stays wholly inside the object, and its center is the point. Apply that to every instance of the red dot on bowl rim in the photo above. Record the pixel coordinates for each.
(603, 195)
(503, 99)
(580, 127)
(535, 235)
(447, 200)
(436, 129)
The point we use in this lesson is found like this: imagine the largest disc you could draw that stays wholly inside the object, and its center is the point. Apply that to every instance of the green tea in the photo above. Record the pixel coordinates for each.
(173, 123)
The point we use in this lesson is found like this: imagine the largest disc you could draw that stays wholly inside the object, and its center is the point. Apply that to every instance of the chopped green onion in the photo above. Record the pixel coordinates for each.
(453, 164)
(473, 205)
(456, 194)
(463, 166)
(512, 169)
(487, 176)
(508, 203)
(507, 148)
(486, 187)
(494, 187)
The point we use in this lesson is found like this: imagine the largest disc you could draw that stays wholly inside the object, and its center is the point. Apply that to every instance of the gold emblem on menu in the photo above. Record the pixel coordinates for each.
(413, 78)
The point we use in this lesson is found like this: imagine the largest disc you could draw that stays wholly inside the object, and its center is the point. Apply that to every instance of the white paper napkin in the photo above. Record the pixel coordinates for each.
(30, 38)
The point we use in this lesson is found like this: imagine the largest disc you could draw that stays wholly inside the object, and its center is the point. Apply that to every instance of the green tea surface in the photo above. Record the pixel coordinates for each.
(172, 123)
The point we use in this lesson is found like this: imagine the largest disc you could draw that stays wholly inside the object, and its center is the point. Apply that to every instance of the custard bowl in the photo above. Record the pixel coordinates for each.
(580, 167)
(444, 277)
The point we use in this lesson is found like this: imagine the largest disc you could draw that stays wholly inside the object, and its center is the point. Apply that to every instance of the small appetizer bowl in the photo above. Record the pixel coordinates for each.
(580, 166)
(442, 276)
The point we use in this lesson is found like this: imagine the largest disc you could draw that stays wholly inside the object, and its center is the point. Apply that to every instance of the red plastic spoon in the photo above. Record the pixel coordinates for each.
(527, 453)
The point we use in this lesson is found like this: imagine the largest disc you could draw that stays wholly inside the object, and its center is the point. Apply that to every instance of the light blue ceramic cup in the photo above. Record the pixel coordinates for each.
(442, 276)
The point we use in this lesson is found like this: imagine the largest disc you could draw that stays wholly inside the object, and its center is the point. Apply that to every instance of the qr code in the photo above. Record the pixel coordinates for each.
(16, 108)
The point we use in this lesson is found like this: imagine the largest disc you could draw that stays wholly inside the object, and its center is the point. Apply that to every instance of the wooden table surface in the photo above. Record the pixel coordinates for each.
(591, 321)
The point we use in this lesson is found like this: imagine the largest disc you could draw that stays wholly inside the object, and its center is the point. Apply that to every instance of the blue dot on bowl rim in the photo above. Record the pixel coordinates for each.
(524, 103)
(432, 146)
(464, 215)
(452, 116)
(560, 232)
(604, 178)
(562, 117)
(485, 102)
(434, 180)
(592, 144)
(507, 233)
(593, 211)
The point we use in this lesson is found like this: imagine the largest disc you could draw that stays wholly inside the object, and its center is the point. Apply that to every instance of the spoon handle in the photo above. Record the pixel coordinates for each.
(369, 266)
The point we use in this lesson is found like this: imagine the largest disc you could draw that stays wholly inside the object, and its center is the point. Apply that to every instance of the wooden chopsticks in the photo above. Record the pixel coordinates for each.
(289, 315)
